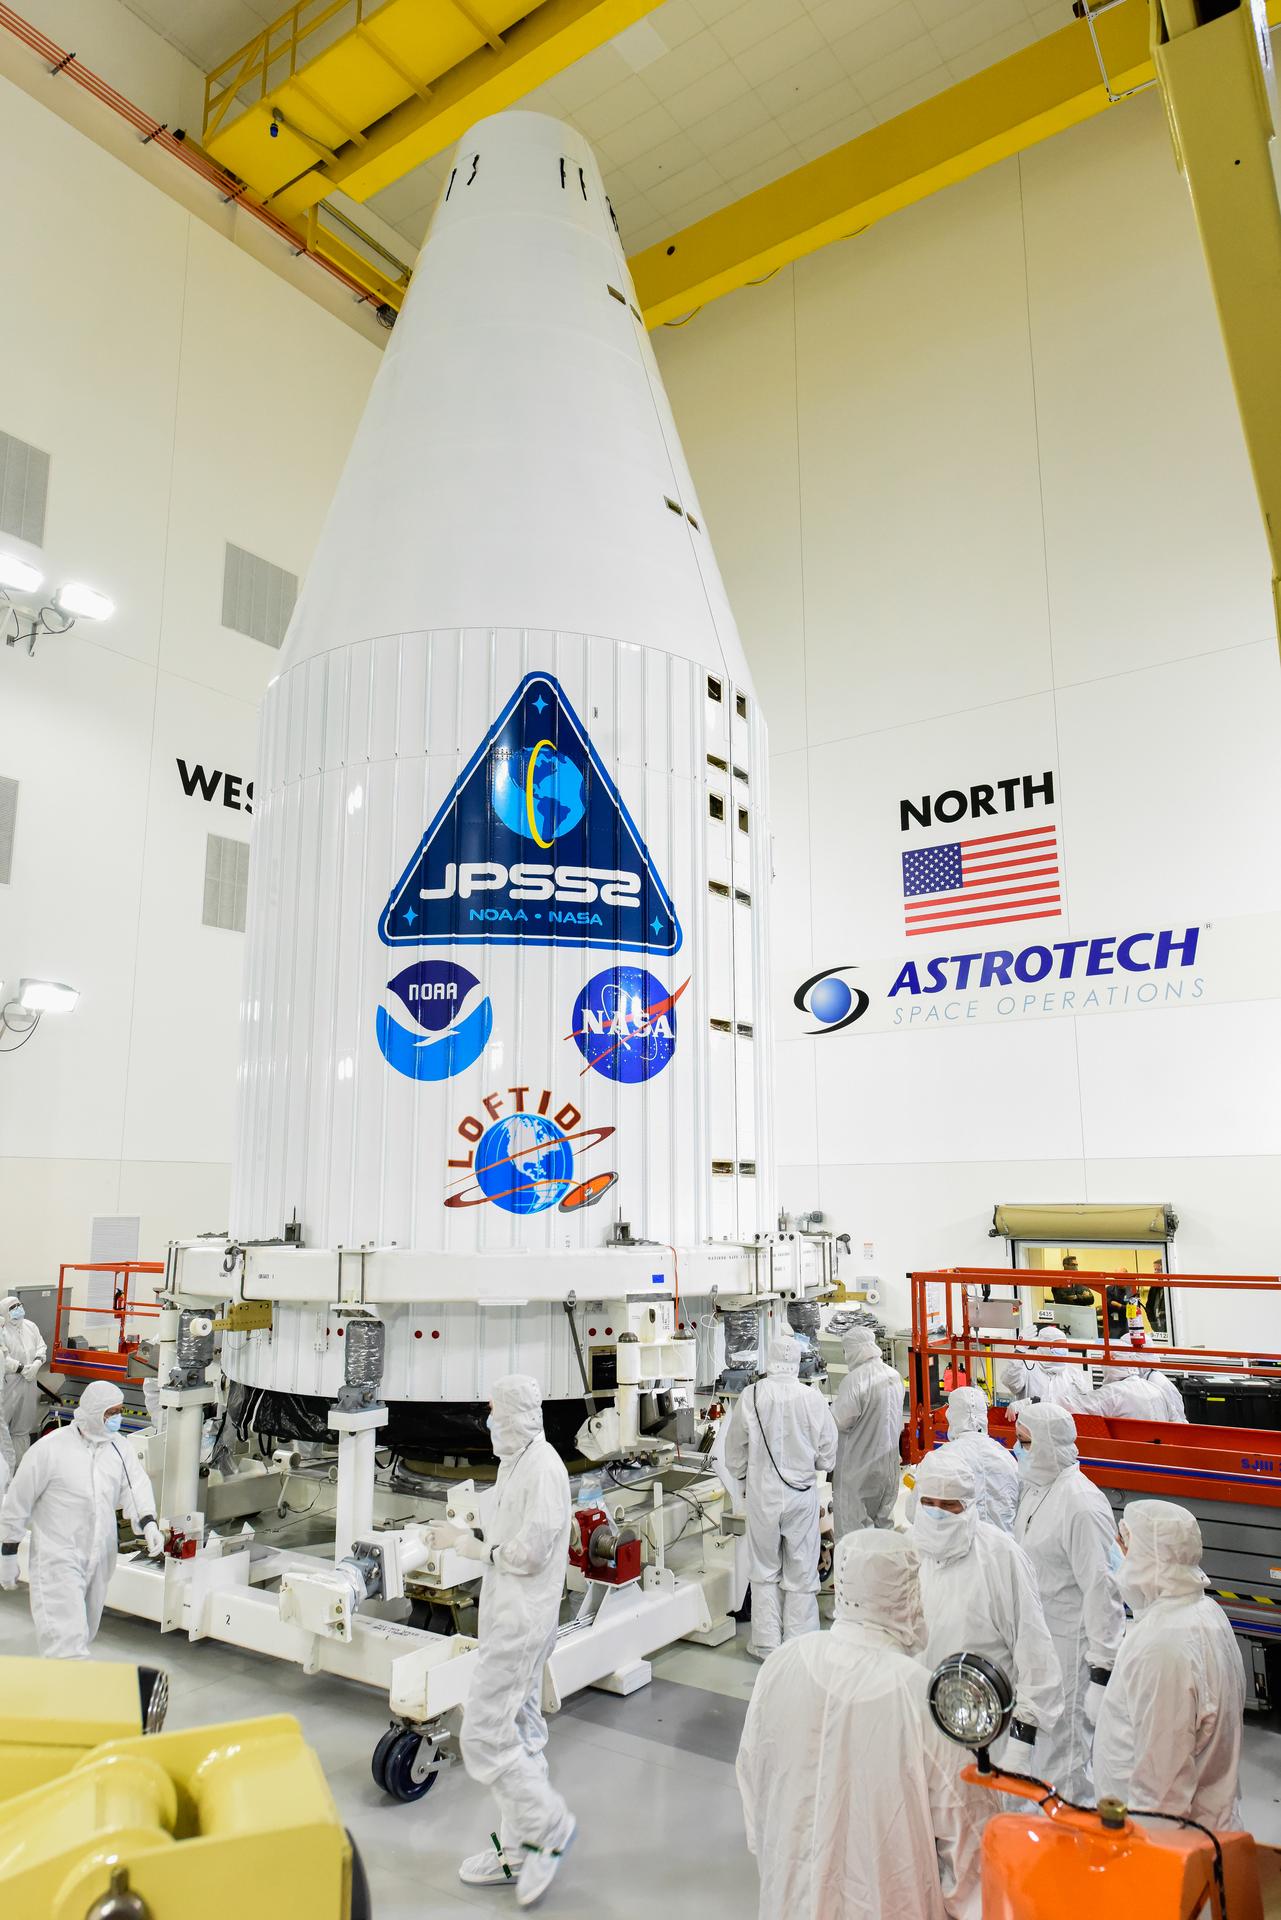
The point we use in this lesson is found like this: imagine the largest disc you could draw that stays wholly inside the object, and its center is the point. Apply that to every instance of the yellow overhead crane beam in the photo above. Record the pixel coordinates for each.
(351, 94)
(1214, 68)
(1055, 83)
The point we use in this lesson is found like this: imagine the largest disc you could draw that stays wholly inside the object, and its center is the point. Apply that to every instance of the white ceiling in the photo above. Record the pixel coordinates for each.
(703, 101)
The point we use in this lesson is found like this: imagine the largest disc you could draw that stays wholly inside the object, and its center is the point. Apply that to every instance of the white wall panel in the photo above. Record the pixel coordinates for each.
(924, 582)
(1154, 541)
(268, 398)
(1025, 366)
(90, 338)
(1169, 776)
(747, 479)
(1186, 1082)
(186, 396)
(937, 1096)
(856, 840)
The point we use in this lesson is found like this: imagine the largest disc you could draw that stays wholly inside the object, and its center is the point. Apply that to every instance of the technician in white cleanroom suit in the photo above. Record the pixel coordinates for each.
(66, 1490)
(22, 1354)
(1127, 1394)
(1169, 1732)
(524, 1555)
(868, 1410)
(781, 1437)
(1171, 1398)
(1065, 1527)
(979, 1594)
(853, 1799)
(995, 1470)
(1053, 1377)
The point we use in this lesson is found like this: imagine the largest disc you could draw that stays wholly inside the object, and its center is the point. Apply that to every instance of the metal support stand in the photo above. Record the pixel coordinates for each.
(357, 1443)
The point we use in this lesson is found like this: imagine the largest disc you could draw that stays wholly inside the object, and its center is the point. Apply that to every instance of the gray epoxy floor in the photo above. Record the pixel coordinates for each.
(651, 1778)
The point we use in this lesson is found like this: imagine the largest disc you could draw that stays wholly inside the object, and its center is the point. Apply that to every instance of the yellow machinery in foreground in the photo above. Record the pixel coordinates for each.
(159, 1826)
(47, 1725)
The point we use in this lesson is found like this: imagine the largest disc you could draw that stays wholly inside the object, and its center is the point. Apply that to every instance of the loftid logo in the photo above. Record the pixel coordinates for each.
(830, 1000)
(522, 1156)
(451, 1037)
(624, 1024)
(533, 845)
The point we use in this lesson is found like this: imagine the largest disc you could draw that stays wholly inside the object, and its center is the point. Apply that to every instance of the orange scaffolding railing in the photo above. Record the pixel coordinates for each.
(964, 1345)
(102, 1363)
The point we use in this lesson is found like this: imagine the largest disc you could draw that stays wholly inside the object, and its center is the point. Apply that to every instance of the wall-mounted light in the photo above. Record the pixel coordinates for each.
(26, 614)
(19, 574)
(82, 602)
(22, 1014)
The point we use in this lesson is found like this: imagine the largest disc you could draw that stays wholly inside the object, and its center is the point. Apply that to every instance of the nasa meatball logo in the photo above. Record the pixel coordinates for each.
(452, 1033)
(624, 1024)
(533, 846)
(523, 1156)
(831, 1000)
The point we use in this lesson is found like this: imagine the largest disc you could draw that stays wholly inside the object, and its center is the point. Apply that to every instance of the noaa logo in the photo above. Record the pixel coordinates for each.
(624, 1024)
(830, 1000)
(533, 845)
(524, 1161)
(450, 1040)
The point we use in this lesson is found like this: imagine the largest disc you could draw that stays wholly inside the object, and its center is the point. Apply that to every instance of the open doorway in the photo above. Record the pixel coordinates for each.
(1080, 1309)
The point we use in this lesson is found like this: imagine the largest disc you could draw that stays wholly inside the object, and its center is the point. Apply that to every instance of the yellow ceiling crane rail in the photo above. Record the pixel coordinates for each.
(354, 94)
(1214, 67)
(1055, 83)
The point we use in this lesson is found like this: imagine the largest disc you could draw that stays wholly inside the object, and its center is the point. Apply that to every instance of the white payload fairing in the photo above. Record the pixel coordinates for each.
(506, 969)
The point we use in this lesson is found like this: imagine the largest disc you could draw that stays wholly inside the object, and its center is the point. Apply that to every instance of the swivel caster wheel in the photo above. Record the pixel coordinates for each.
(378, 1765)
(406, 1764)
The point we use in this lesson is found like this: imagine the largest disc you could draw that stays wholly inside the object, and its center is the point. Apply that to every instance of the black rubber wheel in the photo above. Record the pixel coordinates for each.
(361, 1905)
(378, 1766)
(398, 1763)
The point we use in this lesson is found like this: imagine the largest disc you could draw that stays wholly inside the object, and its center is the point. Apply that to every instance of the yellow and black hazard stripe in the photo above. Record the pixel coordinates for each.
(1251, 1599)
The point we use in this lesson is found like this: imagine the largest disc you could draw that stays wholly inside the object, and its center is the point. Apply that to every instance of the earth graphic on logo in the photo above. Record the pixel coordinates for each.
(524, 1163)
(539, 793)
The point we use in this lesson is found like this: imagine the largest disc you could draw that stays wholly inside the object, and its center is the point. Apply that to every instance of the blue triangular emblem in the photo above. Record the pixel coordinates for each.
(533, 847)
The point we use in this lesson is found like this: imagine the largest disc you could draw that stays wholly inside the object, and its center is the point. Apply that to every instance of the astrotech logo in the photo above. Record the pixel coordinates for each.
(831, 1000)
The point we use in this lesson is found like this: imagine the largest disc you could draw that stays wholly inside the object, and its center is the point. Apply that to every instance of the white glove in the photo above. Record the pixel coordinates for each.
(442, 1535)
(10, 1364)
(153, 1539)
(30, 1371)
(8, 1572)
(1093, 1702)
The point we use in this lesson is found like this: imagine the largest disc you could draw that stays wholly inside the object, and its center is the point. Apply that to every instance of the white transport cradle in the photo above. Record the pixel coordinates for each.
(504, 1086)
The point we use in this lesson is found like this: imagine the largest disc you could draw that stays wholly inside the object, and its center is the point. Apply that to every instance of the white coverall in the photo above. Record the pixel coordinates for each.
(66, 1490)
(994, 1467)
(781, 1437)
(1129, 1395)
(22, 1354)
(1066, 1528)
(1170, 1395)
(526, 1545)
(868, 1410)
(1169, 1731)
(852, 1798)
(979, 1593)
(1053, 1377)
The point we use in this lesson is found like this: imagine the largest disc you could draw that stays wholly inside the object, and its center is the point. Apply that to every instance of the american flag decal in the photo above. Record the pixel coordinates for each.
(982, 882)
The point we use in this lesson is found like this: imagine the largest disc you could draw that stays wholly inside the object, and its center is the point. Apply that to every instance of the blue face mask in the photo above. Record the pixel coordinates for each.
(112, 1422)
(17, 1313)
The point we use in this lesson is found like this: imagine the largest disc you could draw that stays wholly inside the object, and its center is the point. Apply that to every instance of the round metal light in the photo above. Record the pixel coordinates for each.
(971, 1700)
